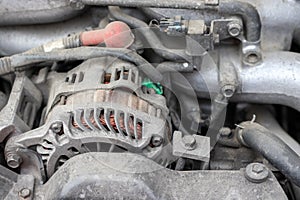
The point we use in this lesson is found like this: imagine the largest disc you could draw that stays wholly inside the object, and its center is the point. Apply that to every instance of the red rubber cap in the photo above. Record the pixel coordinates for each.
(115, 35)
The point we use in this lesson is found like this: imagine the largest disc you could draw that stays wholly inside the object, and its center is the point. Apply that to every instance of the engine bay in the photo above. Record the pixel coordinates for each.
(148, 99)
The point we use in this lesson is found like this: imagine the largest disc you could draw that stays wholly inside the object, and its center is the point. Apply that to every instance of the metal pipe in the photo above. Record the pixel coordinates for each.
(189, 4)
(246, 10)
(24, 12)
(274, 81)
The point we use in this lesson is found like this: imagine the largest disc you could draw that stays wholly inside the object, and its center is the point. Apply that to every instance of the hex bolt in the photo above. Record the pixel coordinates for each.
(56, 127)
(189, 142)
(225, 132)
(13, 160)
(24, 193)
(157, 141)
(256, 173)
(252, 58)
(257, 168)
(228, 90)
(185, 65)
(234, 29)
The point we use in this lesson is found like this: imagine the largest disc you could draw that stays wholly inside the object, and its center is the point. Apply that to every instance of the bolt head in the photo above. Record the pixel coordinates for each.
(228, 90)
(56, 127)
(256, 172)
(189, 142)
(225, 132)
(13, 160)
(234, 29)
(157, 141)
(185, 65)
(257, 168)
(24, 193)
(252, 58)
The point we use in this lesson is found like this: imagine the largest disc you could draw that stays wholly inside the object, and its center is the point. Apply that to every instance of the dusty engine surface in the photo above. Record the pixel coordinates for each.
(140, 99)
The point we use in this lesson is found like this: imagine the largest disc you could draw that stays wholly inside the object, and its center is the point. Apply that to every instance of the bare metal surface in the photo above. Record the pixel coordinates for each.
(22, 12)
(275, 81)
(11, 115)
(147, 3)
(191, 146)
(136, 177)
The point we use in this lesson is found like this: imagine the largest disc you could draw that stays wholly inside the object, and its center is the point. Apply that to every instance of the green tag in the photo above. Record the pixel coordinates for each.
(156, 86)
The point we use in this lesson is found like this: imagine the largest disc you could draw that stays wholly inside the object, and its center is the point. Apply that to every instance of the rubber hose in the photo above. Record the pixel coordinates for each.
(278, 153)
(81, 53)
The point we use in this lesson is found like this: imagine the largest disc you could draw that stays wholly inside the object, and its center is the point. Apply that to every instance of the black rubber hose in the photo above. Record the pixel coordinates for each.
(246, 10)
(278, 153)
(17, 61)
(152, 39)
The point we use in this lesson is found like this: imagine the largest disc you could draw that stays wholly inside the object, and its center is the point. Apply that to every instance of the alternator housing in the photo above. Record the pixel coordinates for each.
(100, 102)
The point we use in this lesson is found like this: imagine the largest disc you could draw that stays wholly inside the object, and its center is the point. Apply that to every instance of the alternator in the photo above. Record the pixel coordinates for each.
(99, 106)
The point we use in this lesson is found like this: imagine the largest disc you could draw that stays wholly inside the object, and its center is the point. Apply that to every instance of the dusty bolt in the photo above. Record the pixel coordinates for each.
(234, 29)
(13, 160)
(24, 193)
(189, 142)
(257, 168)
(252, 58)
(256, 172)
(56, 127)
(225, 132)
(157, 141)
(228, 90)
(185, 65)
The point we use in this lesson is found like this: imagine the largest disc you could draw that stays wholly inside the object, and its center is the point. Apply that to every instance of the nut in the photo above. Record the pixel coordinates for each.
(256, 172)
(228, 90)
(157, 141)
(225, 132)
(13, 160)
(56, 127)
(185, 65)
(189, 142)
(252, 58)
(257, 168)
(234, 29)
(24, 193)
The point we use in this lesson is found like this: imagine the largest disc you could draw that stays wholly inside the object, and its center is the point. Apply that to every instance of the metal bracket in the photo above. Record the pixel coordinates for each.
(20, 111)
(197, 149)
